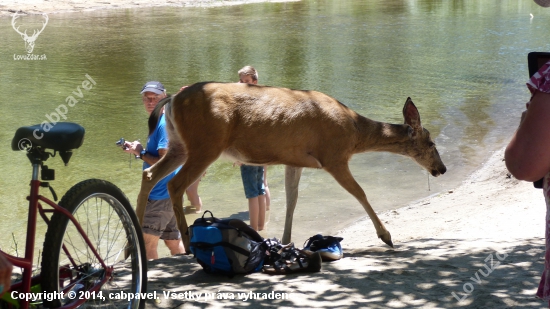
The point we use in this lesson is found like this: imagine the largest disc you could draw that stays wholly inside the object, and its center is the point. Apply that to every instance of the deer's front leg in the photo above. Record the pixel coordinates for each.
(292, 179)
(342, 174)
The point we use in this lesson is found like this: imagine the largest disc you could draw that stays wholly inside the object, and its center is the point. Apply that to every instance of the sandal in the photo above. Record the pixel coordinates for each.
(287, 259)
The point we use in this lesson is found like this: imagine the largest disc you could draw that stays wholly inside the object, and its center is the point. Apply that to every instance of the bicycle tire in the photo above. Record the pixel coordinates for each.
(106, 216)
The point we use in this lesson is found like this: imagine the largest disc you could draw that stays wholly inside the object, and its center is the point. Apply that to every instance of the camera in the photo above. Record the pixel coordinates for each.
(535, 60)
(120, 143)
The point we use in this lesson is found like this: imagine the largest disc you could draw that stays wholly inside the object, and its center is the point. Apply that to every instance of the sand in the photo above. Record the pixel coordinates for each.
(9, 7)
(480, 245)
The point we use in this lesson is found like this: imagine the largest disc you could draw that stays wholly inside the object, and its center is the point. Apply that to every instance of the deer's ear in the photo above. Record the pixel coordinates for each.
(411, 132)
(411, 115)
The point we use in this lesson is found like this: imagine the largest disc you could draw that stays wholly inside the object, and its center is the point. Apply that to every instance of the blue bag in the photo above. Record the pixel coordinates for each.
(226, 246)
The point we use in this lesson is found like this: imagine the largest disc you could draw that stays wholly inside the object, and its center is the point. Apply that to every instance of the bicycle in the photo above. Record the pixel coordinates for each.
(93, 248)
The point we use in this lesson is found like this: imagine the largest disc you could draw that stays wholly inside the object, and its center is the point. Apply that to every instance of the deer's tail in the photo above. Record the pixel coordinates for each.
(171, 126)
(155, 115)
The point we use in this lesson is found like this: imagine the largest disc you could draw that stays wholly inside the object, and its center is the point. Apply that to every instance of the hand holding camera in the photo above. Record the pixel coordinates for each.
(134, 147)
(120, 143)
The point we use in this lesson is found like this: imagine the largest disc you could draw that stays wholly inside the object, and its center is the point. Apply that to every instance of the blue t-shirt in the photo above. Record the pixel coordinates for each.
(159, 140)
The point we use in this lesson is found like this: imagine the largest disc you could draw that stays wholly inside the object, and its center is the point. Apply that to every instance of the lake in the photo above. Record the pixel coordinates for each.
(463, 63)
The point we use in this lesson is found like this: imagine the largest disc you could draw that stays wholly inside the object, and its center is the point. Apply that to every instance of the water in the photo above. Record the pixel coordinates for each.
(462, 62)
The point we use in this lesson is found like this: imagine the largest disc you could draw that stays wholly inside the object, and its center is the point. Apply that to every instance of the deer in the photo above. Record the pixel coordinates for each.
(29, 40)
(303, 129)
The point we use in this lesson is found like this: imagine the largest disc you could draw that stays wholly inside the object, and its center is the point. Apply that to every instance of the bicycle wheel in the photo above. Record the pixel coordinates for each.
(70, 266)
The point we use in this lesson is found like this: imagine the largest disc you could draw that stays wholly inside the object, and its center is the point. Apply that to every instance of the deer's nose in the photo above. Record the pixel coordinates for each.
(440, 171)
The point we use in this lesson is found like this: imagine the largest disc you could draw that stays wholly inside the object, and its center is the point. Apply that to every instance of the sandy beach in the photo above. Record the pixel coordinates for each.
(480, 245)
(8, 7)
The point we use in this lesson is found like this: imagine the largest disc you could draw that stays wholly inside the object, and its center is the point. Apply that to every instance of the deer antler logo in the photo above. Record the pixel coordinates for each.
(29, 40)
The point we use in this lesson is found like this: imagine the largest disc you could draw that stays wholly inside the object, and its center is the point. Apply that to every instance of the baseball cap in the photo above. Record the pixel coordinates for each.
(153, 86)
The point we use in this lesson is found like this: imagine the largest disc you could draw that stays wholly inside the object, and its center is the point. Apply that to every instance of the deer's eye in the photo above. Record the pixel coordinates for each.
(431, 144)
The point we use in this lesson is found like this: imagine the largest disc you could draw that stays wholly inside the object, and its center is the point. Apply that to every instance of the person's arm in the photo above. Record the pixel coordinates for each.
(152, 159)
(5, 274)
(135, 148)
(527, 155)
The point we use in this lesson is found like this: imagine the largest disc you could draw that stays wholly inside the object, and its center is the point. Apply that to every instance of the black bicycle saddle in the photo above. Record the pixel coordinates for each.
(62, 137)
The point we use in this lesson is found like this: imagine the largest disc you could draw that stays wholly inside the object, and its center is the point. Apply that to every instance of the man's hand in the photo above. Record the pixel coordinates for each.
(134, 148)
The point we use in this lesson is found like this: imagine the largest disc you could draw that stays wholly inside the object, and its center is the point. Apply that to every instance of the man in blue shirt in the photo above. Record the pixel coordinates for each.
(159, 221)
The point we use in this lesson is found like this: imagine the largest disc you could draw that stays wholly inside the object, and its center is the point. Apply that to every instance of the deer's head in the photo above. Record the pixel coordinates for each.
(422, 148)
(29, 40)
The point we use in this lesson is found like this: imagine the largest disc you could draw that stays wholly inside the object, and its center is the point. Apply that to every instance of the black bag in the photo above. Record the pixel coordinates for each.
(226, 246)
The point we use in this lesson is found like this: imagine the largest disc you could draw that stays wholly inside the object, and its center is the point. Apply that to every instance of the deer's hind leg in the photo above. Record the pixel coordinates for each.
(174, 157)
(342, 174)
(292, 179)
(192, 170)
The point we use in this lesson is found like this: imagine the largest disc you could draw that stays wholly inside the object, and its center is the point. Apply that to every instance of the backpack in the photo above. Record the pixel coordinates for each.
(227, 246)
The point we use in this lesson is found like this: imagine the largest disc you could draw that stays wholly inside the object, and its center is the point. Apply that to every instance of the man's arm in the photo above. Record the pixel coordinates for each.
(527, 155)
(152, 159)
(135, 148)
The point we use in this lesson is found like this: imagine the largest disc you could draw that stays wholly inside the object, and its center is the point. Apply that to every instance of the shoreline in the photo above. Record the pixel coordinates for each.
(33, 7)
(479, 245)
(494, 182)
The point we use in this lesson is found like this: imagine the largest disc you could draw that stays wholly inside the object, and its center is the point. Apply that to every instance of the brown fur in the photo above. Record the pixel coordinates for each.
(261, 125)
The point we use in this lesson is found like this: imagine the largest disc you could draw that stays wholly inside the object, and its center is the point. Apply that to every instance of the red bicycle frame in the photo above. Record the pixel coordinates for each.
(26, 263)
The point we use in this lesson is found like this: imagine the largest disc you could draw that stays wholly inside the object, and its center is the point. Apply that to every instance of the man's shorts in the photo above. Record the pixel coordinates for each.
(160, 220)
(253, 180)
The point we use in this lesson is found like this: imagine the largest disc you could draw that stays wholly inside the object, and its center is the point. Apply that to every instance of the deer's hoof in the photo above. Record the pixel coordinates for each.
(386, 238)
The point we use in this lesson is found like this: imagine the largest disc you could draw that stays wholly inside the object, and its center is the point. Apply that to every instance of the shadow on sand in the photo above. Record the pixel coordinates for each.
(422, 273)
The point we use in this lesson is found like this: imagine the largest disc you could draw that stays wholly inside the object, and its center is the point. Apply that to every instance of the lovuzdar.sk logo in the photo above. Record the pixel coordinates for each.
(29, 39)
